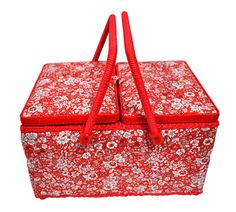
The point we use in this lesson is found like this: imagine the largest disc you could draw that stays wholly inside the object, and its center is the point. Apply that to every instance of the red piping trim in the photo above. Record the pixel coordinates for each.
(115, 126)
(68, 119)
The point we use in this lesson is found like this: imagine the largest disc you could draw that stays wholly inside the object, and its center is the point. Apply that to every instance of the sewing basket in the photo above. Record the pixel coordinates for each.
(97, 129)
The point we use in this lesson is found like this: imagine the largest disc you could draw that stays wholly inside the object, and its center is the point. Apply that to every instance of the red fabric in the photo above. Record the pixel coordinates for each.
(105, 81)
(120, 160)
(64, 94)
(154, 129)
(102, 41)
(175, 94)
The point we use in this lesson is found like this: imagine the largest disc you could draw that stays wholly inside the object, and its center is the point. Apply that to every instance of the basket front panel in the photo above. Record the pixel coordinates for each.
(118, 162)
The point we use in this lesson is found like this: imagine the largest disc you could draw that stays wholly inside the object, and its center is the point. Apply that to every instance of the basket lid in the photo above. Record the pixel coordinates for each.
(174, 92)
(64, 94)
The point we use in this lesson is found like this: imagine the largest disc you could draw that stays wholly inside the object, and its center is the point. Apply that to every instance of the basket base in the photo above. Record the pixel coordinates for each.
(117, 195)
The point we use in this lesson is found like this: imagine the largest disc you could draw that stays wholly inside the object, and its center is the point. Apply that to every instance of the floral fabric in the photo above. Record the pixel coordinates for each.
(69, 89)
(118, 161)
(171, 86)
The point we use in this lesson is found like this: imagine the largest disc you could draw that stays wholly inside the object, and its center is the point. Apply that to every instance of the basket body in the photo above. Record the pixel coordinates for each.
(120, 160)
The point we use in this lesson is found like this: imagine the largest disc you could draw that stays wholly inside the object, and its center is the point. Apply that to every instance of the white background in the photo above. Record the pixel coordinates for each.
(36, 32)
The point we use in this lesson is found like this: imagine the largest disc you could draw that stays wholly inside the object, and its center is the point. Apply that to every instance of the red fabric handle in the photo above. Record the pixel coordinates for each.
(101, 42)
(154, 129)
(110, 29)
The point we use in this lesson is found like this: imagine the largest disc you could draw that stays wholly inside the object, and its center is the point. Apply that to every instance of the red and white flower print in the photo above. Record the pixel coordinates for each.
(118, 161)
(171, 87)
(69, 88)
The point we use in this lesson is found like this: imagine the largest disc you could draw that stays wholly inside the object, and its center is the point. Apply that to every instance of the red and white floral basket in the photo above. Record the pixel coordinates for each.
(96, 129)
